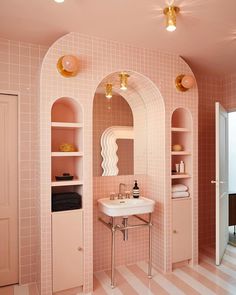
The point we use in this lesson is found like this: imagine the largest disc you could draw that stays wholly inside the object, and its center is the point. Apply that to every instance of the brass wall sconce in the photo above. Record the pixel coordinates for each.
(108, 90)
(123, 80)
(68, 66)
(170, 13)
(184, 82)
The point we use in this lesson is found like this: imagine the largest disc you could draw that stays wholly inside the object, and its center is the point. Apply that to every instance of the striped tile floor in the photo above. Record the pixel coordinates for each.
(203, 279)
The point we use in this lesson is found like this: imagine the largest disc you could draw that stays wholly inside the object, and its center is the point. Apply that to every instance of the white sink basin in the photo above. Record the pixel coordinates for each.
(125, 207)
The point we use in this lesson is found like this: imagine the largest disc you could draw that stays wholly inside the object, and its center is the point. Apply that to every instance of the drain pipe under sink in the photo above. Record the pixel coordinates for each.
(125, 231)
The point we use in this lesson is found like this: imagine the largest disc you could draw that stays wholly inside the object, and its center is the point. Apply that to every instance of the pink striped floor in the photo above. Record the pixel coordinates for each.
(205, 278)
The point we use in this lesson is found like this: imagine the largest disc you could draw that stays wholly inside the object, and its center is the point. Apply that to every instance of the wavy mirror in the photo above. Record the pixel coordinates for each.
(113, 152)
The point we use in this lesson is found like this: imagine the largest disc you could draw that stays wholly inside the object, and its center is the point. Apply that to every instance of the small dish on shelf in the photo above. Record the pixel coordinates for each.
(67, 147)
(64, 176)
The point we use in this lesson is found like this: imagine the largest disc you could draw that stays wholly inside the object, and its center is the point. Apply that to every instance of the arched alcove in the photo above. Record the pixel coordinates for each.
(148, 111)
(66, 109)
(182, 181)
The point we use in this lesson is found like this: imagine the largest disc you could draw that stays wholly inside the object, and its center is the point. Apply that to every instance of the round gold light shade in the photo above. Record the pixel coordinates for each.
(184, 82)
(68, 66)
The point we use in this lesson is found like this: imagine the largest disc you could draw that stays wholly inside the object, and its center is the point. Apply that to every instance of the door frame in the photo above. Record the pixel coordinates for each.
(17, 94)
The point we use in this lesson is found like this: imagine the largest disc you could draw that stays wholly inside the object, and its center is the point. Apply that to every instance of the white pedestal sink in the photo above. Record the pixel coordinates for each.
(125, 207)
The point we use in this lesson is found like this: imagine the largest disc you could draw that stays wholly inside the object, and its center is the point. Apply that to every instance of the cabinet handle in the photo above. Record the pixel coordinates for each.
(174, 231)
(80, 249)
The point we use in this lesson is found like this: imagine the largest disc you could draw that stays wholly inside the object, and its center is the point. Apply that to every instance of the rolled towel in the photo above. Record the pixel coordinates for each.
(180, 195)
(179, 188)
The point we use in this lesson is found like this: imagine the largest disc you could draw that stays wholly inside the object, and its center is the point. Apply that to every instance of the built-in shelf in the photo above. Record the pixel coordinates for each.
(66, 182)
(63, 125)
(67, 154)
(181, 153)
(179, 176)
(179, 129)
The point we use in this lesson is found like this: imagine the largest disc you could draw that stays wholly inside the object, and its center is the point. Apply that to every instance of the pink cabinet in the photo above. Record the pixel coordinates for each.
(67, 249)
(182, 230)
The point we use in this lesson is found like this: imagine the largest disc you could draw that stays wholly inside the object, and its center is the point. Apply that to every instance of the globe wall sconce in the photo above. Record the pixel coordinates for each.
(68, 66)
(184, 82)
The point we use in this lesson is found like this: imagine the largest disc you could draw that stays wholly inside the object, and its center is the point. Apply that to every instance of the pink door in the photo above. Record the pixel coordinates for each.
(8, 190)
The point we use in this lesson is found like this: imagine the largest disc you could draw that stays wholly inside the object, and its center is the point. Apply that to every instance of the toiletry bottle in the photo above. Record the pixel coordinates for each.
(135, 190)
(181, 167)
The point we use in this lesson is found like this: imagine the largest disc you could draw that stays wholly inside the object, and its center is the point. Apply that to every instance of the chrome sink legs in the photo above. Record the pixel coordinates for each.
(124, 228)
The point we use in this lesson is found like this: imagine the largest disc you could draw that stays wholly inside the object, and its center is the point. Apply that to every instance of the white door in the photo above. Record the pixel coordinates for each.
(221, 182)
(8, 190)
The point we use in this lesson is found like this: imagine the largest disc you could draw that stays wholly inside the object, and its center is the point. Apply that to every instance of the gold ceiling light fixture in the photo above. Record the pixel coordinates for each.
(108, 90)
(123, 80)
(170, 13)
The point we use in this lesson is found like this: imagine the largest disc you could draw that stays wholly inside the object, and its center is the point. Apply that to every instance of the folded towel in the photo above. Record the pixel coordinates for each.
(179, 188)
(66, 201)
(180, 194)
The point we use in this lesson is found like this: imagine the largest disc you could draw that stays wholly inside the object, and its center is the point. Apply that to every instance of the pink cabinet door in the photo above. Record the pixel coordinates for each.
(67, 249)
(182, 230)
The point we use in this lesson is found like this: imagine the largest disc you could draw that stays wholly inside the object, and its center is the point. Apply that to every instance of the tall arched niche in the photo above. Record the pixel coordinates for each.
(148, 109)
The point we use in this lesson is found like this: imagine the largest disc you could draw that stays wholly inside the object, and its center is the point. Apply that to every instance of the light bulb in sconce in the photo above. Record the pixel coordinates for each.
(108, 90)
(68, 65)
(123, 80)
(184, 82)
(170, 13)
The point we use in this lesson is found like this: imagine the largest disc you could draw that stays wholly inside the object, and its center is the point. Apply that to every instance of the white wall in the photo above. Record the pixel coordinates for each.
(232, 152)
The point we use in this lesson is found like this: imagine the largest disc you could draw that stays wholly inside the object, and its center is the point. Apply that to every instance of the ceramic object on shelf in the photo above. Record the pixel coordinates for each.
(64, 176)
(177, 148)
(67, 147)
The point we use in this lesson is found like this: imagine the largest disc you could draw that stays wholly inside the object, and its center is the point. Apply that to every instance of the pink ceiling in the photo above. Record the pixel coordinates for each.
(205, 35)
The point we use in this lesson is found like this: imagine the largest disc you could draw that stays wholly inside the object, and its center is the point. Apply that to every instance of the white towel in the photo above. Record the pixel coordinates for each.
(179, 188)
(180, 195)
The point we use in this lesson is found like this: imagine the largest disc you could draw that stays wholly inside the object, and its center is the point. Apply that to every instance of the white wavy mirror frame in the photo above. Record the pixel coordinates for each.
(110, 147)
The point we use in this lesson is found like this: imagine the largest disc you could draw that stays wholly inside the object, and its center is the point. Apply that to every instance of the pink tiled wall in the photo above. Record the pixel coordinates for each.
(107, 113)
(211, 90)
(229, 92)
(19, 73)
(152, 101)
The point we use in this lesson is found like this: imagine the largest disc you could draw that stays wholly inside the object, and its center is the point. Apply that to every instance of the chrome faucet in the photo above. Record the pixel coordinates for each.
(121, 193)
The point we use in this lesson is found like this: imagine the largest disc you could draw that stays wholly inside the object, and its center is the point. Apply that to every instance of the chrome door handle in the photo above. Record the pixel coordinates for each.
(213, 181)
(222, 182)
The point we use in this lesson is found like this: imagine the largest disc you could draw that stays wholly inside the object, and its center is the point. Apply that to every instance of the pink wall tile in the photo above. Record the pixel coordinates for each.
(16, 70)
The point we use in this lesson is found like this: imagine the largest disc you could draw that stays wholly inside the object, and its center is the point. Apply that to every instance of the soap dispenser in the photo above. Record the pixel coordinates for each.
(136, 190)
(181, 167)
